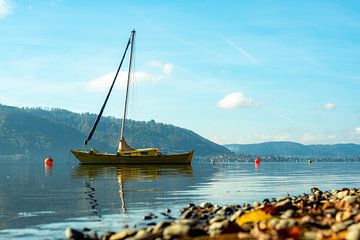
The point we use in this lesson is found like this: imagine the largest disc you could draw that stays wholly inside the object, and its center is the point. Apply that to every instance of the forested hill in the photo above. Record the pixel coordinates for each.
(37, 132)
(296, 149)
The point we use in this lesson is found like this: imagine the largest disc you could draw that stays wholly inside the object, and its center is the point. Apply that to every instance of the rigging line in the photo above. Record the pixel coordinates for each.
(107, 97)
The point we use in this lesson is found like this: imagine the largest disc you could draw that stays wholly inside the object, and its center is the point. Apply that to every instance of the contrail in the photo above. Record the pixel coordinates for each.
(245, 54)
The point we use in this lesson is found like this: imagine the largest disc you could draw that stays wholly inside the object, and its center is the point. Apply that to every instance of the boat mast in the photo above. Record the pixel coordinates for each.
(122, 143)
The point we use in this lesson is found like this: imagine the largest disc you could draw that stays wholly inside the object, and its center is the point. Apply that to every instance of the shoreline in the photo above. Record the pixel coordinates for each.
(318, 215)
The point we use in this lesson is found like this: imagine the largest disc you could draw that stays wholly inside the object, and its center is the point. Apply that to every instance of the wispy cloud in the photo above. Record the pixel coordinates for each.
(243, 52)
(329, 106)
(6, 7)
(248, 56)
(236, 100)
(102, 83)
(285, 117)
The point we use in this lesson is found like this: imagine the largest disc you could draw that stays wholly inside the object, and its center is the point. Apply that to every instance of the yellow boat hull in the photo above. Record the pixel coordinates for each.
(88, 157)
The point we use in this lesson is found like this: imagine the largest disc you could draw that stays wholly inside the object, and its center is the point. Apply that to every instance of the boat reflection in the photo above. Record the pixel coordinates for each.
(157, 178)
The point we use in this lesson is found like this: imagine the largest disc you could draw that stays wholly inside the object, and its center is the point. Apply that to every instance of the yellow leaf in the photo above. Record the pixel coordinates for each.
(253, 216)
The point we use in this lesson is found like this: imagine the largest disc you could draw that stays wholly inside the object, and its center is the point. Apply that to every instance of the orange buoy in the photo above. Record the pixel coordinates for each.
(257, 160)
(48, 161)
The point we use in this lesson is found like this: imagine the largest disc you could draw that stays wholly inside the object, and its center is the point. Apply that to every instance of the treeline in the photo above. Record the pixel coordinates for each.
(297, 150)
(28, 132)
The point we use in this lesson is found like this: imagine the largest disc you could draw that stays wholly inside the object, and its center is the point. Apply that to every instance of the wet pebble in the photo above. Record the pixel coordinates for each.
(350, 199)
(123, 234)
(288, 213)
(176, 230)
(205, 205)
(353, 235)
(73, 234)
(149, 216)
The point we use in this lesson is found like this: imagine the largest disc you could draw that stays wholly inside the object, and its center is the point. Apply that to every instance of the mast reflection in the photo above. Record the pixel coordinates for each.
(127, 174)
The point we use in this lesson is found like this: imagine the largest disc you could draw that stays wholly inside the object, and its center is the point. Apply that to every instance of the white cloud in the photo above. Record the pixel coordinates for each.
(329, 106)
(235, 100)
(6, 7)
(357, 130)
(102, 83)
(168, 68)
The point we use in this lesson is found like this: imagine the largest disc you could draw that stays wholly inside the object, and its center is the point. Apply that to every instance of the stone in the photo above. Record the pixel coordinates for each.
(236, 215)
(311, 235)
(149, 216)
(73, 234)
(312, 198)
(342, 194)
(123, 234)
(283, 205)
(106, 235)
(217, 227)
(228, 210)
(247, 236)
(284, 224)
(342, 216)
(279, 199)
(350, 199)
(355, 226)
(217, 219)
(331, 211)
(191, 205)
(205, 205)
(288, 214)
(159, 227)
(353, 235)
(142, 235)
(316, 191)
(176, 231)
(221, 212)
(188, 214)
(256, 204)
(337, 227)
(190, 222)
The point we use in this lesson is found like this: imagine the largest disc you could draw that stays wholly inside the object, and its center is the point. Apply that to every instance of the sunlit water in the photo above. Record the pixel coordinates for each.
(38, 202)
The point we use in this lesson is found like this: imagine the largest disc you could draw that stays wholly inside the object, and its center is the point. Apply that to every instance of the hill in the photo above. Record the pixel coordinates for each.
(39, 132)
(287, 149)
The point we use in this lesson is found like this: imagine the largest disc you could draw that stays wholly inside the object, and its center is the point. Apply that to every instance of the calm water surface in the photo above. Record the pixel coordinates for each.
(38, 202)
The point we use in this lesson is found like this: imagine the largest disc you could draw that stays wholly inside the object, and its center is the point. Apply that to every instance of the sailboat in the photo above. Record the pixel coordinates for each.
(126, 154)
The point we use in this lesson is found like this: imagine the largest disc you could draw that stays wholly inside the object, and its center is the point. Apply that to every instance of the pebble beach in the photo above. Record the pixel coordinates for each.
(315, 215)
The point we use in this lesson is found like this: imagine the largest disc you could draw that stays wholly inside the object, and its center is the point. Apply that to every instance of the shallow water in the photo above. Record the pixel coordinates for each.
(38, 202)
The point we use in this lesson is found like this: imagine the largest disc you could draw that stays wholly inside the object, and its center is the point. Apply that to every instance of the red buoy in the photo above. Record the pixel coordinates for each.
(257, 160)
(48, 161)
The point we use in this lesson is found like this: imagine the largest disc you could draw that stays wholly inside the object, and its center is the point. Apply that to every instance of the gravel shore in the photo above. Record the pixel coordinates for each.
(318, 215)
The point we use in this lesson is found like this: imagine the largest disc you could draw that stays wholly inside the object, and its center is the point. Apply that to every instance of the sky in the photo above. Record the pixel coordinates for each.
(231, 71)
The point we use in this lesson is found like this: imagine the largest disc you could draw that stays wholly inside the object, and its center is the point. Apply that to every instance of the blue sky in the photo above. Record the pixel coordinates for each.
(232, 71)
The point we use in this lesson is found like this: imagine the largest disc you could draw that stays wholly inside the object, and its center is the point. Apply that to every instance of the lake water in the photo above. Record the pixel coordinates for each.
(38, 202)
